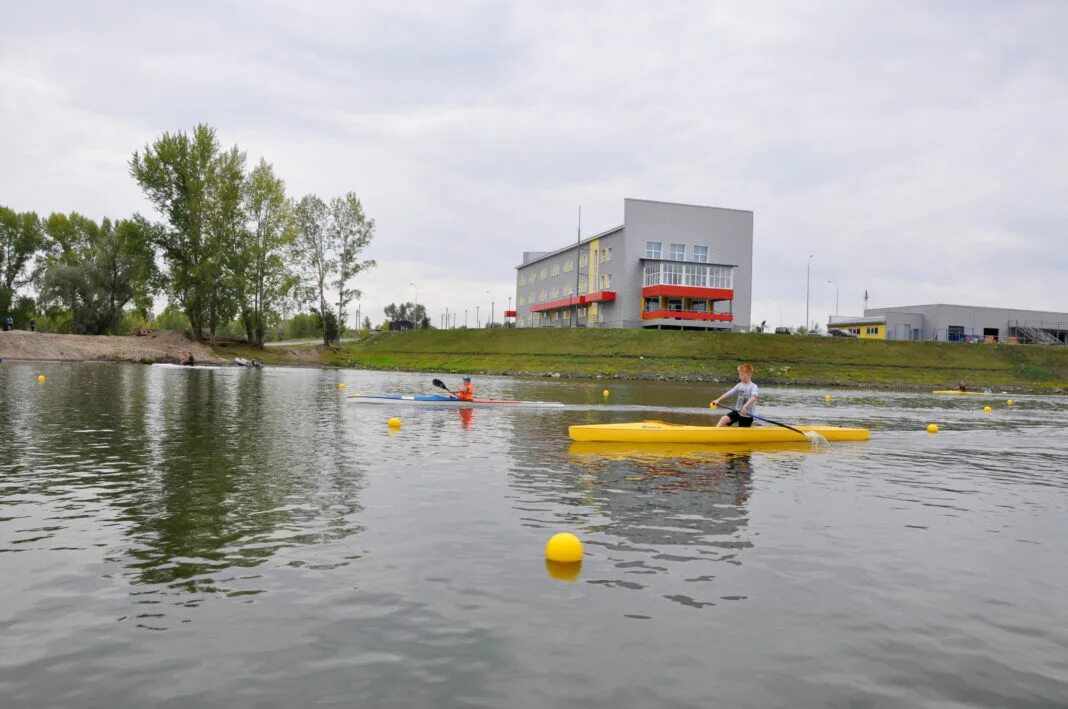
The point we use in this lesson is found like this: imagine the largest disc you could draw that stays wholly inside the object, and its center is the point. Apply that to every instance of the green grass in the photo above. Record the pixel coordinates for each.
(650, 354)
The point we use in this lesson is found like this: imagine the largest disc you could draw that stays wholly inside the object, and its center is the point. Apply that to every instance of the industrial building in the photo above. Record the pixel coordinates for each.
(668, 266)
(956, 323)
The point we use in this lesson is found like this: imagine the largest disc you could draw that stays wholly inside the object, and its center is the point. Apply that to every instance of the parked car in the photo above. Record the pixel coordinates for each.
(841, 333)
(783, 331)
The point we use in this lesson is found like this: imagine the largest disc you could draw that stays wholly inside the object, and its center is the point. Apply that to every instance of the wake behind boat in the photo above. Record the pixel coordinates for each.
(442, 400)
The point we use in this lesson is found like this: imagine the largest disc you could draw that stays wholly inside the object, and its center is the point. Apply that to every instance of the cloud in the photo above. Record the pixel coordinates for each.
(916, 150)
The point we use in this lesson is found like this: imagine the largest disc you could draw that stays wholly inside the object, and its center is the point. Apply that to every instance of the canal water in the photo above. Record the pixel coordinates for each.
(226, 537)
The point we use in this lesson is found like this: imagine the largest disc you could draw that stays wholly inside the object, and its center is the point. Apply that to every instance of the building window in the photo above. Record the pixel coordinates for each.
(873, 330)
(521, 301)
(652, 249)
(678, 252)
(544, 273)
(542, 295)
(522, 279)
(652, 304)
(569, 266)
(583, 260)
(582, 312)
(582, 286)
(567, 289)
(855, 330)
(554, 293)
(606, 281)
(556, 269)
(700, 253)
(608, 254)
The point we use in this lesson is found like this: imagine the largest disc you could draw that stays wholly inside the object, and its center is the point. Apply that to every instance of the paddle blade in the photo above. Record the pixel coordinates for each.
(439, 384)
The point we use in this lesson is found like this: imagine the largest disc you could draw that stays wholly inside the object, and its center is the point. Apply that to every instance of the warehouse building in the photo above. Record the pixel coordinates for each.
(957, 323)
(668, 266)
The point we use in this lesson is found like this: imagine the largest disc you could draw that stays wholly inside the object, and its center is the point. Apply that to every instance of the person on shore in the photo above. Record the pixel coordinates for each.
(188, 361)
(467, 391)
(33, 324)
(747, 392)
(9, 324)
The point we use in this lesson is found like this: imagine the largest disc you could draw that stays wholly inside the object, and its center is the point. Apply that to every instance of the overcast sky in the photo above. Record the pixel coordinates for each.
(918, 150)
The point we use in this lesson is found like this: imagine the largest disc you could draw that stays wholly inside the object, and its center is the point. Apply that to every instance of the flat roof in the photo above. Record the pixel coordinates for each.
(550, 254)
(685, 204)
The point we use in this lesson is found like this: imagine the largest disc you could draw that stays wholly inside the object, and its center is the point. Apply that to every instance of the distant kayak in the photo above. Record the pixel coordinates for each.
(442, 400)
(242, 362)
(958, 392)
(173, 365)
(661, 432)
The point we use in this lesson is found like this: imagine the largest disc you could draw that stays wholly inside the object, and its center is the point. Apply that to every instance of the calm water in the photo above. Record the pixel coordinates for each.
(251, 539)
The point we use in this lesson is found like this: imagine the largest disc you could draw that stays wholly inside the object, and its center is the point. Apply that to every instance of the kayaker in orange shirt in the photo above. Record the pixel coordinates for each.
(467, 391)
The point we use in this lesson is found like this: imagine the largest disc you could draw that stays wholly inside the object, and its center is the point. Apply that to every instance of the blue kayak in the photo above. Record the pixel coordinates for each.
(443, 400)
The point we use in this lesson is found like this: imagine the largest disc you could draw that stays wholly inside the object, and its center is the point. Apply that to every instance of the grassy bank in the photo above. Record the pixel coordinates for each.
(646, 354)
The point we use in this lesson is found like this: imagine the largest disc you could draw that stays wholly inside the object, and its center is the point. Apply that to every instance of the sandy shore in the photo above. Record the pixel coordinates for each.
(163, 346)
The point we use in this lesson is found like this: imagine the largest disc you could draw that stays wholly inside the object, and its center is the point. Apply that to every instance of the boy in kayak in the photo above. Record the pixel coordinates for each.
(747, 391)
(467, 390)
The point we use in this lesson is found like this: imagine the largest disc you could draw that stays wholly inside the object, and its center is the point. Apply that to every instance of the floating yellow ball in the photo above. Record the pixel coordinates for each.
(40, 377)
(564, 548)
(987, 409)
(605, 392)
(341, 385)
(827, 398)
(394, 422)
(1010, 402)
(932, 428)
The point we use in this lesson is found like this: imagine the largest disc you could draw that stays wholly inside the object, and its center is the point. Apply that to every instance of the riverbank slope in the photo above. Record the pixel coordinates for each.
(650, 354)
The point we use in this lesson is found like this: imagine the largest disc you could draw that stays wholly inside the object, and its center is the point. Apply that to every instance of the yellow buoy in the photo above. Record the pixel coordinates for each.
(564, 548)
(40, 377)
(563, 572)
(394, 422)
(1010, 402)
(605, 392)
(341, 385)
(932, 428)
(987, 409)
(827, 398)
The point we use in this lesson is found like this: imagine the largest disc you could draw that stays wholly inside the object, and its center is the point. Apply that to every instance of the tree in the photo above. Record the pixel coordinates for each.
(312, 250)
(21, 237)
(198, 191)
(95, 271)
(408, 311)
(259, 257)
(350, 233)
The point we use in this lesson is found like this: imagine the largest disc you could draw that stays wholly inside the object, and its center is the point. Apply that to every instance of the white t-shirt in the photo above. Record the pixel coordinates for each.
(744, 392)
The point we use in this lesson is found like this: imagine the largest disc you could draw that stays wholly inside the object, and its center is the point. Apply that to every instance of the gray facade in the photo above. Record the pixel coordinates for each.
(955, 323)
(700, 278)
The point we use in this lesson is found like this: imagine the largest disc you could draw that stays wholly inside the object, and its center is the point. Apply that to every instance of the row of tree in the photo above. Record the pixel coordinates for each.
(228, 243)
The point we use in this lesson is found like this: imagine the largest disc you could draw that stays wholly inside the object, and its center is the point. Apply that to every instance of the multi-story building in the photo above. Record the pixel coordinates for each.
(668, 266)
(956, 323)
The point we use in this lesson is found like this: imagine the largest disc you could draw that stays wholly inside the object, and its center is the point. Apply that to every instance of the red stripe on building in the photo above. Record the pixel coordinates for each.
(602, 296)
(688, 292)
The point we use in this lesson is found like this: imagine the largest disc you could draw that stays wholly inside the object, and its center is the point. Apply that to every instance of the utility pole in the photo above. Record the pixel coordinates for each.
(578, 260)
(808, 281)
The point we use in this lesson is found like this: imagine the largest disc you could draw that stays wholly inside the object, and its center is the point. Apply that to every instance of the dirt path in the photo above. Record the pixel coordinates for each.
(162, 346)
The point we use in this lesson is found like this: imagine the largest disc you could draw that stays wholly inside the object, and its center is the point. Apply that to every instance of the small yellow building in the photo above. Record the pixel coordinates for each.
(867, 328)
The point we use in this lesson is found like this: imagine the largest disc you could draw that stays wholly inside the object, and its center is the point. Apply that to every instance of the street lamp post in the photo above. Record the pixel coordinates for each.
(835, 296)
(478, 319)
(808, 281)
(489, 321)
(415, 303)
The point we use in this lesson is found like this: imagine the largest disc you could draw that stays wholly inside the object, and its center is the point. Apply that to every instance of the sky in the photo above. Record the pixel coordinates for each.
(916, 150)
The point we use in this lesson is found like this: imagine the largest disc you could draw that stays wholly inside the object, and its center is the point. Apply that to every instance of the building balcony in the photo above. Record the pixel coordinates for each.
(691, 292)
(686, 315)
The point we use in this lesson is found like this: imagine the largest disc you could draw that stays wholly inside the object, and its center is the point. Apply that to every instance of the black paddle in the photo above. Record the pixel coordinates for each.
(441, 385)
(810, 434)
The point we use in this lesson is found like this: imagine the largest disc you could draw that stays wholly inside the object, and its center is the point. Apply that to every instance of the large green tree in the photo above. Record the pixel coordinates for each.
(198, 190)
(96, 270)
(350, 233)
(313, 252)
(21, 238)
(263, 278)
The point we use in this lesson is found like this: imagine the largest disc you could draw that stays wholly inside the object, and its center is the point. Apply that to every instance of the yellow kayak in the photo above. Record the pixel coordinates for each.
(661, 432)
(958, 392)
